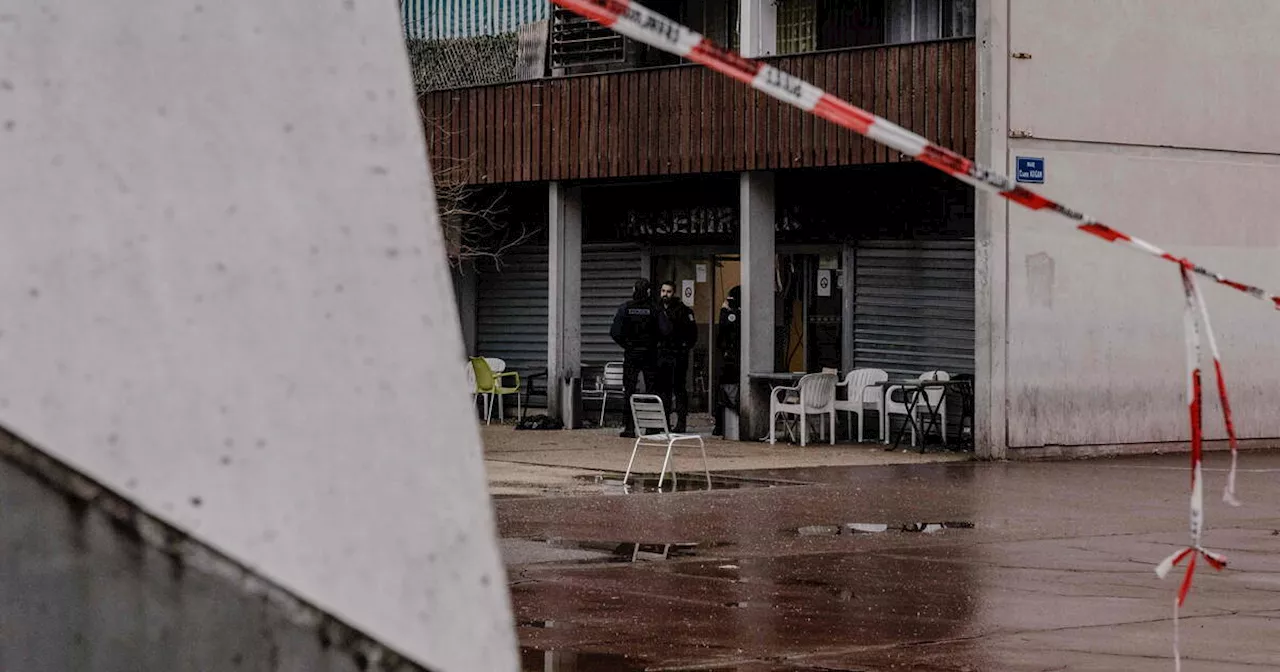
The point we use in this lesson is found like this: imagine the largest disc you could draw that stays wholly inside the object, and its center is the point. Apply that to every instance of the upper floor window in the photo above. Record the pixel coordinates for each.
(810, 25)
(917, 20)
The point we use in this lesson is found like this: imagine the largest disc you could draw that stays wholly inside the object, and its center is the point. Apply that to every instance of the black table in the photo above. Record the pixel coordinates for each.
(527, 381)
(913, 391)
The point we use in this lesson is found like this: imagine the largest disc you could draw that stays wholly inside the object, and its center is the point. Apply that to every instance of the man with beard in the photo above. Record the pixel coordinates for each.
(635, 329)
(677, 334)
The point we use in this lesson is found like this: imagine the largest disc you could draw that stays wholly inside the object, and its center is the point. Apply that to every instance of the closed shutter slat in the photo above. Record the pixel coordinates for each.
(511, 312)
(608, 272)
(914, 306)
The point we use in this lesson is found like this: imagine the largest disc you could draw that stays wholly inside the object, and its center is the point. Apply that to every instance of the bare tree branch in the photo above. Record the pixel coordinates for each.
(471, 216)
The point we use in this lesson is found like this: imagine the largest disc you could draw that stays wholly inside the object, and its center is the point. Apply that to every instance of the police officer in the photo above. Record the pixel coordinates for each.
(728, 342)
(677, 334)
(635, 328)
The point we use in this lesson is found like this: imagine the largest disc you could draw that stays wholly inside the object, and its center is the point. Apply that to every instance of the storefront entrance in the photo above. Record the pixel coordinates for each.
(808, 307)
(703, 279)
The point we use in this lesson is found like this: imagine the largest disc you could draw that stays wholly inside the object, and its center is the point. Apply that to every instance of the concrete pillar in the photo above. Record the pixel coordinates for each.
(272, 372)
(564, 323)
(756, 235)
(465, 279)
(848, 263)
(992, 235)
(757, 27)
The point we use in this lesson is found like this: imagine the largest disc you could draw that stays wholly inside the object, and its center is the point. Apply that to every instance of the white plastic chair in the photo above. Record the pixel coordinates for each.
(936, 396)
(814, 395)
(648, 413)
(609, 385)
(862, 392)
(499, 368)
(476, 393)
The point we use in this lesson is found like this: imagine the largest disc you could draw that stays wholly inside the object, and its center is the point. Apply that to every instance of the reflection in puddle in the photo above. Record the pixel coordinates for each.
(631, 551)
(537, 660)
(874, 528)
(686, 483)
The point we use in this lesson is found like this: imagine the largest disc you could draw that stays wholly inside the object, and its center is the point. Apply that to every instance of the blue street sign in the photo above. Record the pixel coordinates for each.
(1031, 169)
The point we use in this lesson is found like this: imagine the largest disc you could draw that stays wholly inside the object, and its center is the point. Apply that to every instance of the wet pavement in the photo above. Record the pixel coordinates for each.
(967, 566)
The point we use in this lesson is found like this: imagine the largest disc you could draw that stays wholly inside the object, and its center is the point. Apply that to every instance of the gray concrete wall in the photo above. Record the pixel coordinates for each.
(91, 583)
(224, 294)
(1152, 115)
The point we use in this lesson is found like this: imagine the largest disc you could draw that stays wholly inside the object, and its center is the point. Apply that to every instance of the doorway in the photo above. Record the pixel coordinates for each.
(702, 279)
(809, 311)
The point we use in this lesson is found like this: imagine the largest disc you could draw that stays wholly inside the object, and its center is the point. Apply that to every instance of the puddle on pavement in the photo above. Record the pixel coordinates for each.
(691, 482)
(632, 551)
(877, 528)
(540, 660)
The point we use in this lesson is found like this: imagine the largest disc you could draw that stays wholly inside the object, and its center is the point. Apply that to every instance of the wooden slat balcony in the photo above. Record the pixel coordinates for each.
(688, 119)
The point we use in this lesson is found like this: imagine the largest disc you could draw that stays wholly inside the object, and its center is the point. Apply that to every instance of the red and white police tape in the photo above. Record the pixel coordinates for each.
(645, 25)
(1195, 307)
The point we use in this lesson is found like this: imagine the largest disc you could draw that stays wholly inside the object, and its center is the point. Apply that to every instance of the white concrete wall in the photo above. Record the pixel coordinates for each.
(223, 293)
(1155, 116)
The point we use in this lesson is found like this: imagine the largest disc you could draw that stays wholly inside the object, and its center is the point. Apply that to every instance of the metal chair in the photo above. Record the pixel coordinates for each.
(814, 395)
(648, 412)
(935, 397)
(610, 384)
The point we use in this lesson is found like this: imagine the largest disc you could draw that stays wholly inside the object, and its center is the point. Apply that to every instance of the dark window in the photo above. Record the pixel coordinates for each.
(577, 41)
(850, 23)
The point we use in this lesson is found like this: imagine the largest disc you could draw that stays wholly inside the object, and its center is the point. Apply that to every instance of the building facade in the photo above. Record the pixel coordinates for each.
(848, 255)
(1149, 114)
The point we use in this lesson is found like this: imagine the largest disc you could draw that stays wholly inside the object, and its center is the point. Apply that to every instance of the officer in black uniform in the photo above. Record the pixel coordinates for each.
(729, 344)
(677, 334)
(635, 328)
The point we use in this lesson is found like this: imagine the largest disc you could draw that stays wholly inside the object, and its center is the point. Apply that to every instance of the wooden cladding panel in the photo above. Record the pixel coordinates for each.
(688, 119)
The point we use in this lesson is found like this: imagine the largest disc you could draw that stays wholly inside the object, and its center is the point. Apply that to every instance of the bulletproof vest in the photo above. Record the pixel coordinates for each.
(639, 325)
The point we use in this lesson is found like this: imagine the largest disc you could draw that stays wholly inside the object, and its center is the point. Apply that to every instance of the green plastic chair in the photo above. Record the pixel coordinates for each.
(492, 382)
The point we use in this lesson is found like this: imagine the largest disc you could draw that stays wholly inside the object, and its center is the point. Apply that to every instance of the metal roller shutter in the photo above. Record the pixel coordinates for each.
(914, 306)
(511, 313)
(608, 272)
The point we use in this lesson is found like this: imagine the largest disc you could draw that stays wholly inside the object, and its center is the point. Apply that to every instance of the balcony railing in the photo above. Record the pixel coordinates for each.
(687, 119)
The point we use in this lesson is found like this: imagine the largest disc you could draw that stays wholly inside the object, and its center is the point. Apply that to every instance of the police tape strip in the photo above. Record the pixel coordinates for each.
(1229, 492)
(645, 25)
(1194, 307)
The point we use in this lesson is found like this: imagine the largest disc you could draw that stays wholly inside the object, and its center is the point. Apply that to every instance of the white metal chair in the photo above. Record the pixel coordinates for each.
(648, 413)
(609, 385)
(814, 395)
(936, 397)
(861, 393)
(502, 389)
